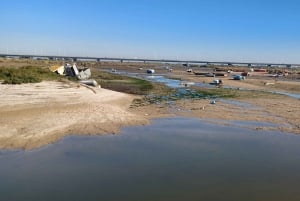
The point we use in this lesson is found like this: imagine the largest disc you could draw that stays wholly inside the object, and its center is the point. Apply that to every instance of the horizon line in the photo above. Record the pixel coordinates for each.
(146, 59)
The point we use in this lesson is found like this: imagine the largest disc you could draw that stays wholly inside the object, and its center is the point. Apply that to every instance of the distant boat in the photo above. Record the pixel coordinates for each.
(221, 74)
(206, 74)
(210, 75)
(200, 73)
(213, 102)
(150, 71)
(238, 77)
(217, 82)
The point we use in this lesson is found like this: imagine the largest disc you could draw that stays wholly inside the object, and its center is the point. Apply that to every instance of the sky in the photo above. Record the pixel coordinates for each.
(206, 30)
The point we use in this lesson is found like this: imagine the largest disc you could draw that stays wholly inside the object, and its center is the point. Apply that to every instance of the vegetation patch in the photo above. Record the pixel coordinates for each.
(171, 95)
(186, 93)
(27, 74)
(217, 92)
(122, 83)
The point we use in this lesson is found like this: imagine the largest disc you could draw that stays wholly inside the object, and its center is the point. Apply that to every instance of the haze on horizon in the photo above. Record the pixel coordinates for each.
(213, 30)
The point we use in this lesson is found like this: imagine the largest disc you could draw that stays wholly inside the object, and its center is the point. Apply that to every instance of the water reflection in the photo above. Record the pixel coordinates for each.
(172, 159)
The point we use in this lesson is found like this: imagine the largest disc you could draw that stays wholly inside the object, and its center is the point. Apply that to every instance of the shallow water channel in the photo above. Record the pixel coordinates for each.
(177, 83)
(171, 159)
(173, 83)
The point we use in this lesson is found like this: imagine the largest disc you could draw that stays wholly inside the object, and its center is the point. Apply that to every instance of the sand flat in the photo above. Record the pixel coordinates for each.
(32, 115)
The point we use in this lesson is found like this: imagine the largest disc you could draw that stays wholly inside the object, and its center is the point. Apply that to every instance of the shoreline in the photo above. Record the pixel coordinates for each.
(277, 113)
(34, 115)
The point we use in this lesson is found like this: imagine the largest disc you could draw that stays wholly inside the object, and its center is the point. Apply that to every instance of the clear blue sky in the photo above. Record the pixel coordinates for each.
(231, 30)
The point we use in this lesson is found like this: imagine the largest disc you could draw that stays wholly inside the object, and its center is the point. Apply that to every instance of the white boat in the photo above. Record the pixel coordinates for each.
(150, 71)
(216, 82)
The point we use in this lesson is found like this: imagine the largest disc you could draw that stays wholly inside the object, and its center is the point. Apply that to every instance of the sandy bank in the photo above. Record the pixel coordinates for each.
(32, 115)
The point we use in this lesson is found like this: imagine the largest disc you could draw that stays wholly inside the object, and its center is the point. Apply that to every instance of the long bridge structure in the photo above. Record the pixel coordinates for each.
(165, 61)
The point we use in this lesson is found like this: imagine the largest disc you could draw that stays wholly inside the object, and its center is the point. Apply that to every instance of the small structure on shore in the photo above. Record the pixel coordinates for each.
(72, 71)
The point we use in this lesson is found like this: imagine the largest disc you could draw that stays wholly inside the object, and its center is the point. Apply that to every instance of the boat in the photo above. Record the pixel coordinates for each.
(217, 82)
(150, 71)
(238, 77)
(200, 73)
(210, 75)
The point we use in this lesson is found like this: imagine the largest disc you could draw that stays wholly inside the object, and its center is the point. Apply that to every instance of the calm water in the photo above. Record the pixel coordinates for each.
(172, 159)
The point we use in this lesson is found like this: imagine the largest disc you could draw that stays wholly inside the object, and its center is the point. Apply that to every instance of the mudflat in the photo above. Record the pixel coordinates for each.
(275, 112)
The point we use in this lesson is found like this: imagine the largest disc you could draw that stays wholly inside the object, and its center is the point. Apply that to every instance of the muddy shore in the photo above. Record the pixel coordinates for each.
(33, 115)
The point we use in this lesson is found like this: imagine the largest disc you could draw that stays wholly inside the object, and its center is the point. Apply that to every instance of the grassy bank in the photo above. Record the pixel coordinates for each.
(122, 83)
(26, 74)
(34, 74)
